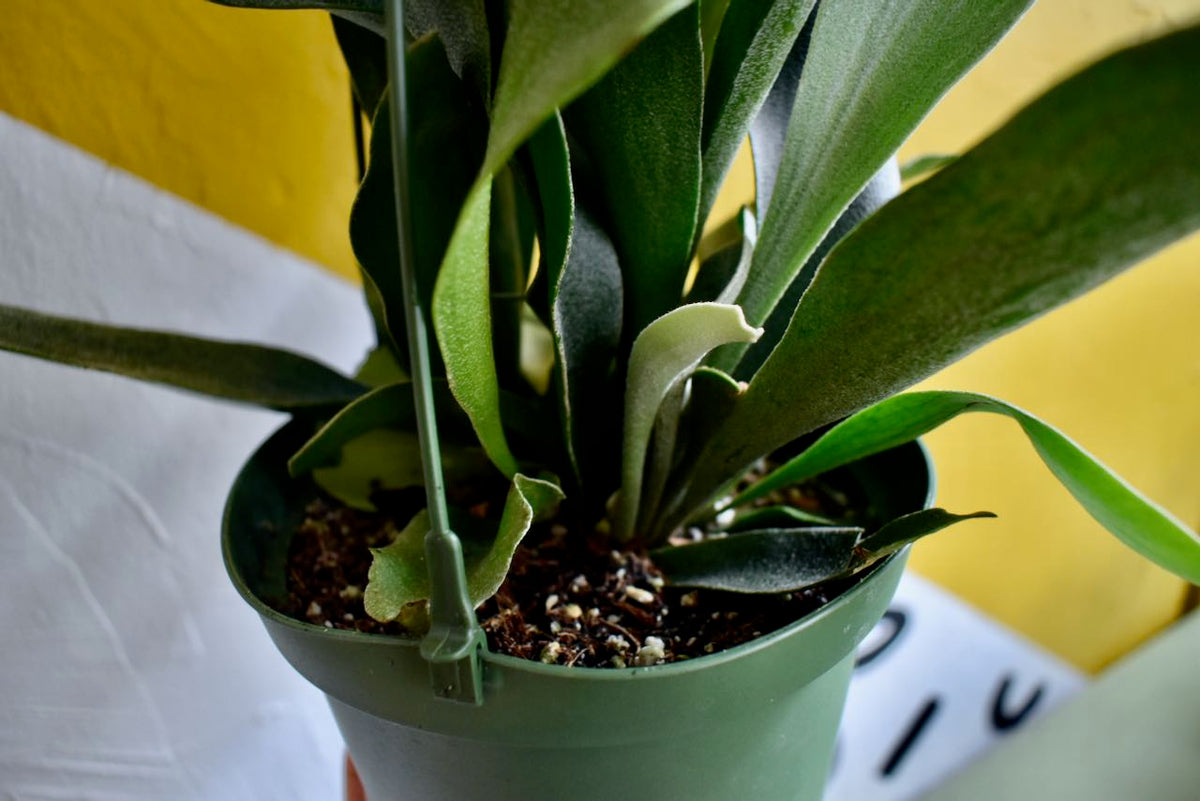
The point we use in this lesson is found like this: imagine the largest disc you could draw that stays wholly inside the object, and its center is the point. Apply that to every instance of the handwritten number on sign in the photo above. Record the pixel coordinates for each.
(910, 737)
(895, 620)
(1002, 718)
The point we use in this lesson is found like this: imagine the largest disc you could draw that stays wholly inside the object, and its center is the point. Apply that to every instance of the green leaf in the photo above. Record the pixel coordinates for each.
(238, 371)
(1064, 196)
(389, 406)
(1135, 520)
(713, 394)
(743, 360)
(446, 143)
(584, 281)
(640, 126)
(365, 54)
(553, 51)
(906, 529)
(771, 560)
(380, 368)
(463, 26)
(508, 276)
(666, 352)
(755, 40)
(873, 70)
(663, 454)
(399, 576)
(386, 459)
(922, 165)
(768, 129)
(381, 460)
(529, 499)
(462, 317)
(723, 273)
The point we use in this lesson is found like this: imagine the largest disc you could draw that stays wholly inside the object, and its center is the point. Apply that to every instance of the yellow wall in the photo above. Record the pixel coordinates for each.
(244, 112)
(1118, 370)
(247, 113)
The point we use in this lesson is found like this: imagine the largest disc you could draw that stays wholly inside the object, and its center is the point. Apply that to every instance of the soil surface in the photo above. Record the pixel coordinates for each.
(568, 599)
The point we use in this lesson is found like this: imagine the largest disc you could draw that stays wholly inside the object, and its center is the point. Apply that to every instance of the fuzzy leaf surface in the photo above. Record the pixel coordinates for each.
(872, 72)
(743, 361)
(1061, 198)
(640, 126)
(255, 374)
(769, 560)
(754, 42)
(462, 314)
(768, 129)
(906, 529)
(463, 26)
(1131, 517)
(447, 131)
(666, 352)
(399, 574)
(553, 51)
(584, 282)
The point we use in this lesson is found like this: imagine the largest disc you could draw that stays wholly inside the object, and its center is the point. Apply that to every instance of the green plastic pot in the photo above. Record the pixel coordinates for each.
(757, 721)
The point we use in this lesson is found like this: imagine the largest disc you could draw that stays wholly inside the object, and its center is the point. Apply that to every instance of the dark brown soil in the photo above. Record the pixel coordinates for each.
(567, 600)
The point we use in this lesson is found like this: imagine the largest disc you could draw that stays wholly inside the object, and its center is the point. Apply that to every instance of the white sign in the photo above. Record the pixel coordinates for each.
(936, 685)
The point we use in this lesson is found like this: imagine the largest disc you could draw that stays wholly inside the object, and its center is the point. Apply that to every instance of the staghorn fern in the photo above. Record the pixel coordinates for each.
(598, 139)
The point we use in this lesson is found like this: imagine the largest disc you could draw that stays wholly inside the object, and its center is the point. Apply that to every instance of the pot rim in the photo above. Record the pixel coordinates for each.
(559, 671)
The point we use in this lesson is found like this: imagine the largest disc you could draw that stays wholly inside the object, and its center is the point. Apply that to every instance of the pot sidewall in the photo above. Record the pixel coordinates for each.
(760, 718)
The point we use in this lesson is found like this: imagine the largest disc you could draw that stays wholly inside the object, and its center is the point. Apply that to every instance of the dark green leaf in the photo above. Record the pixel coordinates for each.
(771, 560)
(365, 54)
(722, 274)
(1067, 194)
(553, 52)
(640, 127)
(463, 26)
(906, 529)
(446, 142)
(237, 371)
(768, 129)
(756, 37)
(1135, 520)
(584, 281)
(872, 71)
(745, 360)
